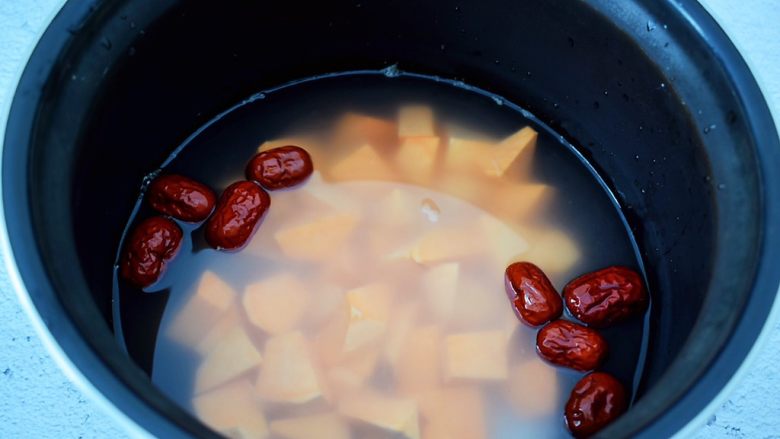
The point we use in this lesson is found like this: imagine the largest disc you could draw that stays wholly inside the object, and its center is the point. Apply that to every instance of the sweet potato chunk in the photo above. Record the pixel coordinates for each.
(276, 304)
(476, 356)
(212, 298)
(358, 129)
(325, 426)
(416, 157)
(553, 251)
(369, 308)
(418, 368)
(440, 286)
(453, 413)
(518, 147)
(533, 388)
(394, 414)
(416, 121)
(447, 244)
(288, 373)
(316, 240)
(231, 357)
(229, 320)
(362, 164)
(232, 409)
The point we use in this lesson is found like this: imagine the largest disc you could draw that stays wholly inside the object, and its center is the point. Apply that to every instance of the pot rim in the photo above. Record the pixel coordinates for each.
(135, 429)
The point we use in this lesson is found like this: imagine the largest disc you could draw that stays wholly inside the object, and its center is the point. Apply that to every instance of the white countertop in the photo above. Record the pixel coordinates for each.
(37, 400)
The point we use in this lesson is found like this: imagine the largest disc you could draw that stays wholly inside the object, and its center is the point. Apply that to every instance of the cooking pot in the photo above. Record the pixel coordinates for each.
(651, 92)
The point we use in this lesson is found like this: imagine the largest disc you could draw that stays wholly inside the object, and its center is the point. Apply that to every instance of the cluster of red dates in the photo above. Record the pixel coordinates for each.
(598, 299)
(156, 240)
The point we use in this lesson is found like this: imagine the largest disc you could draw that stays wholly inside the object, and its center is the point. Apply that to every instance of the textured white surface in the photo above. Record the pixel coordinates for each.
(37, 401)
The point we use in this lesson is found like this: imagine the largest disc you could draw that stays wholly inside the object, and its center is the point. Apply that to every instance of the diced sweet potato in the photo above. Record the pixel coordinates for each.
(447, 244)
(332, 195)
(328, 342)
(453, 413)
(316, 240)
(440, 286)
(325, 426)
(355, 129)
(553, 251)
(466, 155)
(369, 307)
(476, 356)
(229, 320)
(231, 357)
(400, 325)
(276, 304)
(212, 297)
(506, 245)
(394, 414)
(517, 148)
(362, 164)
(416, 157)
(533, 388)
(418, 368)
(479, 302)
(352, 371)
(288, 373)
(397, 209)
(516, 201)
(232, 409)
(371, 302)
(416, 121)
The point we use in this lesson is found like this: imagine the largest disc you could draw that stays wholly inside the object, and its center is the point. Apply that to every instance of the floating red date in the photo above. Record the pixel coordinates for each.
(181, 198)
(280, 167)
(596, 400)
(571, 345)
(533, 296)
(606, 296)
(238, 212)
(153, 243)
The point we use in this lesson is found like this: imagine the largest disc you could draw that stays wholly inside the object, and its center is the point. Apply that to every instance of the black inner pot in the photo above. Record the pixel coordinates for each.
(651, 92)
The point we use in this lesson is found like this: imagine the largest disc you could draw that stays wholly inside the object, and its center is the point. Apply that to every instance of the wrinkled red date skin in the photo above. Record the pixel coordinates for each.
(153, 243)
(533, 296)
(181, 198)
(239, 210)
(281, 167)
(572, 345)
(605, 297)
(595, 401)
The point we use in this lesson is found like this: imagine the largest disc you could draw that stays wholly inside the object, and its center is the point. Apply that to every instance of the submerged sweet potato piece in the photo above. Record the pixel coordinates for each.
(476, 356)
(232, 409)
(233, 355)
(533, 388)
(416, 121)
(517, 148)
(316, 240)
(212, 297)
(418, 368)
(364, 163)
(354, 129)
(326, 426)
(288, 373)
(395, 414)
(453, 413)
(439, 284)
(416, 157)
(276, 304)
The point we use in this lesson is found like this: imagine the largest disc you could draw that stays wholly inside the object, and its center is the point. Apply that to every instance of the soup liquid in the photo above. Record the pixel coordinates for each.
(371, 300)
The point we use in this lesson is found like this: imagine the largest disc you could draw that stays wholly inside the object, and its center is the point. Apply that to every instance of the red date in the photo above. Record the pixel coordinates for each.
(534, 298)
(239, 210)
(571, 345)
(281, 167)
(606, 296)
(153, 243)
(181, 198)
(596, 400)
